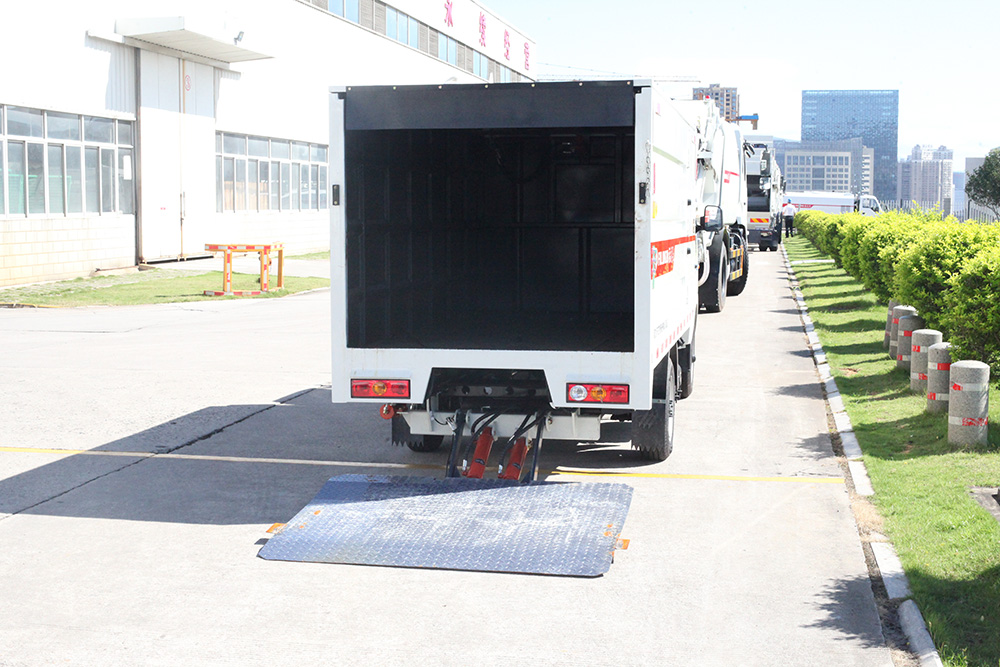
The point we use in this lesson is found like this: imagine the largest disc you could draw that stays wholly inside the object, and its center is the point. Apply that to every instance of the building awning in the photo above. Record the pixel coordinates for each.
(202, 39)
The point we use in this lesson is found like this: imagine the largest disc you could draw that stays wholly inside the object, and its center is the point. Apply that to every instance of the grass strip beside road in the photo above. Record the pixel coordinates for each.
(148, 287)
(948, 544)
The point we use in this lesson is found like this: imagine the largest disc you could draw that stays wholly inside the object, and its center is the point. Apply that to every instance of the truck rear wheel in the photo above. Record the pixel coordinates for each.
(712, 295)
(653, 430)
(419, 443)
(737, 285)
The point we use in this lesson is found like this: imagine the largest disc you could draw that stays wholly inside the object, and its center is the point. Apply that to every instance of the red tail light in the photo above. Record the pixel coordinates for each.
(596, 393)
(380, 389)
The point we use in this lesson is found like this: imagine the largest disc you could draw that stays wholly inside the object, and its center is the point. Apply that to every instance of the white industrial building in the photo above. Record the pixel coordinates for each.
(134, 131)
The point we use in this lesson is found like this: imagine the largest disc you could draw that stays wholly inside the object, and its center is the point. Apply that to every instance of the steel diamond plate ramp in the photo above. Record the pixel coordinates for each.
(561, 528)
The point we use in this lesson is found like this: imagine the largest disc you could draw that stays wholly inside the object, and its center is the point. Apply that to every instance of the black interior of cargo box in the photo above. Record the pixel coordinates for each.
(490, 239)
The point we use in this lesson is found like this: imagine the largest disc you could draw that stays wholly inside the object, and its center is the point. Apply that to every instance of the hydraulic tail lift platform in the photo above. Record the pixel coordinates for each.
(458, 523)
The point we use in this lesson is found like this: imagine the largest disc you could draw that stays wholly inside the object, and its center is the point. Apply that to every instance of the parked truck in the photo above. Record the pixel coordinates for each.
(512, 261)
(765, 192)
(722, 254)
(835, 202)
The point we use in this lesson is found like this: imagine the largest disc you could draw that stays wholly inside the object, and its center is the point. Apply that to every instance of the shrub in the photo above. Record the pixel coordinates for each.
(879, 247)
(972, 309)
(810, 224)
(852, 230)
(927, 265)
(830, 236)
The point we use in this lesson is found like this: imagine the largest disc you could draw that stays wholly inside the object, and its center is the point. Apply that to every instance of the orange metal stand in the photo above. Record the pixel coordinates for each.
(264, 250)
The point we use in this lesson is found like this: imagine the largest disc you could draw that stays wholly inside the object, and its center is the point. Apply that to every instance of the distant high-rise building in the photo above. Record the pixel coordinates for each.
(872, 115)
(727, 99)
(958, 202)
(867, 163)
(833, 166)
(926, 177)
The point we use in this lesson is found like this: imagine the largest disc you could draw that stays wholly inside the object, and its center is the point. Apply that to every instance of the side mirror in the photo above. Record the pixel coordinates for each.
(712, 220)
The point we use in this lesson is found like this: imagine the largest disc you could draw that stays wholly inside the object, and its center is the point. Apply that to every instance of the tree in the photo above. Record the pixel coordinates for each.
(983, 186)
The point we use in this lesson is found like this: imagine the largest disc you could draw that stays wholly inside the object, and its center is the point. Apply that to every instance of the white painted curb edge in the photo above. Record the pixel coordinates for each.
(910, 618)
(896, 583)
(916, 633)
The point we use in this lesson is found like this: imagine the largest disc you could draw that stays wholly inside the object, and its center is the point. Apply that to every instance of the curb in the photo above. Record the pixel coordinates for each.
(893, 577)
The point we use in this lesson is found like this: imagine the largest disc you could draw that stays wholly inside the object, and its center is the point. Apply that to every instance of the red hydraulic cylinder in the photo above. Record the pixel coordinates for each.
(517, 455)
(482, 455)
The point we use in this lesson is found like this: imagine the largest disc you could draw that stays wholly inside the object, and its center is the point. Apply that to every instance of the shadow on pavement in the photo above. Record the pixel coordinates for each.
(259, 467)
(840, 602)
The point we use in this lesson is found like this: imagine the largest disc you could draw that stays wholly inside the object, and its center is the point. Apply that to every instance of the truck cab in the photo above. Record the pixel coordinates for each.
(764, 197)
(721, 182)
(867, 205)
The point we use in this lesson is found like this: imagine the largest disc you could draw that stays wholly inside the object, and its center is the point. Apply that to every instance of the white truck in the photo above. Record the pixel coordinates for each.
(512, 261)
(765, 192)
(721, 181)
(835, 202)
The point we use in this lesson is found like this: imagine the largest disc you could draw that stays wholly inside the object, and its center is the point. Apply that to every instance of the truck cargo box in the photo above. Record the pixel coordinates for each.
(515, 239)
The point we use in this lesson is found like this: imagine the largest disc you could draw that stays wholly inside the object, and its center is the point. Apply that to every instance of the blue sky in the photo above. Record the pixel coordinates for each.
(941, 56)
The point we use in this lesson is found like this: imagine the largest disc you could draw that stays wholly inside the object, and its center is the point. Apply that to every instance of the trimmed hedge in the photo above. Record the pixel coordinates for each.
(949, 271)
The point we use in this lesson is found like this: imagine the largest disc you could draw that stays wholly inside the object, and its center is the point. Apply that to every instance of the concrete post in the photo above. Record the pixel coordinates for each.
(904, 346)
(897, 312)
(969, 403)
(888, 323)
(922, 341)
(938, 376)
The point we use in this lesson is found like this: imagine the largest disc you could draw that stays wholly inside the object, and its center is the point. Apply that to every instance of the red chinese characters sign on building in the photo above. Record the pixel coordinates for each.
(448, 20)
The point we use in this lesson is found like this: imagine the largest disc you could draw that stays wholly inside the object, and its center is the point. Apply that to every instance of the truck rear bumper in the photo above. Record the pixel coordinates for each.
(573, 426)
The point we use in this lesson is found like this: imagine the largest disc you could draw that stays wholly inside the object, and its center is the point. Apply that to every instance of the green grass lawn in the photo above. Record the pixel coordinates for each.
(948, 544)
(312, 255)
(145, 287)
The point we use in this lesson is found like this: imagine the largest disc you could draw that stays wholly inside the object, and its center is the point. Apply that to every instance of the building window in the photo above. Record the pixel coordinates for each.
(266, 174)
(48, 176)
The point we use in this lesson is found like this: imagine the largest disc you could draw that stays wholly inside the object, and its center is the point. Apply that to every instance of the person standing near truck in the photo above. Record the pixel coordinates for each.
(788, 212)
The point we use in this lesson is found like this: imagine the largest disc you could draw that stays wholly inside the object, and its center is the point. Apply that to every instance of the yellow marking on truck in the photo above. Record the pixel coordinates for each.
(716, 478)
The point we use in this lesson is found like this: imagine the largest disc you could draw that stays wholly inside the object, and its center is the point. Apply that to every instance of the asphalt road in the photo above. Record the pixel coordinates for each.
(144, 452)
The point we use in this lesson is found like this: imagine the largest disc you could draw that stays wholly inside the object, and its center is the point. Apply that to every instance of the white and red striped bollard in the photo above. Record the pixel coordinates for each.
(922, 341)
(969, 403)
(888, 323)
(904, 344)
(938, 376)
(897, 312)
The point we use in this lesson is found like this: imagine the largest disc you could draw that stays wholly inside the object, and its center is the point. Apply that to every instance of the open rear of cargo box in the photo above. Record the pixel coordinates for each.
(491, 217)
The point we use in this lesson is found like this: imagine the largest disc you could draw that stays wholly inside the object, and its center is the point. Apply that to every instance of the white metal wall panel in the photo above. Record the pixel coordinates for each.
(197, 158)
(159, 138)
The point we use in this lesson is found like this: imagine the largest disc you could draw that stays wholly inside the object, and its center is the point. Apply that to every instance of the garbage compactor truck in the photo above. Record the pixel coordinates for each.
(765, 197)
(514, 261)
(723, 262)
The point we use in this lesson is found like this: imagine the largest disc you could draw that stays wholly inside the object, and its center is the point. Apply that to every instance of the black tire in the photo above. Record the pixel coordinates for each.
(712, 295)
(763, 247)
(687, 382)
(653, 430)
(737, 286)
(419, 443)
(425, 443)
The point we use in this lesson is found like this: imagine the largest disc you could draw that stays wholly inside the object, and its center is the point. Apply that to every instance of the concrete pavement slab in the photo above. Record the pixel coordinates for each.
(743, 545)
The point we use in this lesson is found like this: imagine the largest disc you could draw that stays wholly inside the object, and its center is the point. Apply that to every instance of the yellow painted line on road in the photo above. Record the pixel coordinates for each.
(225, 459)
(720, 478)
(412, 466)
(39, 450)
